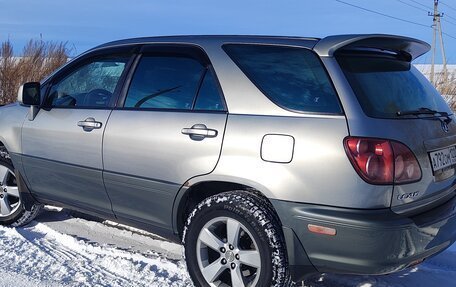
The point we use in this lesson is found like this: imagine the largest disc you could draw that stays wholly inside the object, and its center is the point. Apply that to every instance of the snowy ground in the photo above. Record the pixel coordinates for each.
(60, 250)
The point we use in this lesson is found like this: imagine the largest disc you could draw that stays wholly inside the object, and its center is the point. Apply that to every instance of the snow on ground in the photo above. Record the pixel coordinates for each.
(439, 271)
(60, 250)
(85, 253)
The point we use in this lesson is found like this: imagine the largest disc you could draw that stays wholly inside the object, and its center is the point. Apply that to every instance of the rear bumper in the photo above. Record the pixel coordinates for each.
(368, 241)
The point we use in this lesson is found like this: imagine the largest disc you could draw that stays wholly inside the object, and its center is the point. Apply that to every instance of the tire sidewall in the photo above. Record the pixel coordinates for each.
(14, 217)
(240, 213)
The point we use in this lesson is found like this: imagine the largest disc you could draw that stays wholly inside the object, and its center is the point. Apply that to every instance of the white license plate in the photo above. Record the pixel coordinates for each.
(443, 158)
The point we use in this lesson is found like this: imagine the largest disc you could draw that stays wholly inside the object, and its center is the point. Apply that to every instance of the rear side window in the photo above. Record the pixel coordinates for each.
(208, 96)
(385, 86)
(292, 78)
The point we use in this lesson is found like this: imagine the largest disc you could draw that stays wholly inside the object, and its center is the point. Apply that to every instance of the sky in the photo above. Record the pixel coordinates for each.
(84, 24)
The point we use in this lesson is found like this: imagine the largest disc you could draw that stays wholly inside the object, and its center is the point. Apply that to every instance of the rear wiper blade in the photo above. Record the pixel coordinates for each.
(421, 111)
(425, 111)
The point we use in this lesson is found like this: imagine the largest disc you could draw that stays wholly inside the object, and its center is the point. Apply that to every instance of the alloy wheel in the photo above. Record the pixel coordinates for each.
(227, 254)
(9, 193)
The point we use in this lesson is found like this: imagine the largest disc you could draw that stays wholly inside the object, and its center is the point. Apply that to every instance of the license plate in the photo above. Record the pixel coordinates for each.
(443, 158)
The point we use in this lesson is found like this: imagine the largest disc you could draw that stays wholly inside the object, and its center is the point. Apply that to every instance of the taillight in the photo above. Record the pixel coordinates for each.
(380, 161)
(406, 167)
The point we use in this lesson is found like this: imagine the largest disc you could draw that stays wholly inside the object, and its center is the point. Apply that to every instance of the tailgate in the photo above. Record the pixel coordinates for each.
(385, 97)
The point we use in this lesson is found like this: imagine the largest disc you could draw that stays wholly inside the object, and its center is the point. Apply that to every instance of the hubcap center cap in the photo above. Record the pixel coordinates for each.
(229, 255)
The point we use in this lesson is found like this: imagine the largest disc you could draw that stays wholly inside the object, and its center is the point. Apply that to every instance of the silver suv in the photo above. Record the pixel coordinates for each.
(269, 158)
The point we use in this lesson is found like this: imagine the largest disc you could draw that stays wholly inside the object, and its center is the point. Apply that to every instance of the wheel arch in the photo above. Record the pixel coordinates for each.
(191, 194)
(2, 143)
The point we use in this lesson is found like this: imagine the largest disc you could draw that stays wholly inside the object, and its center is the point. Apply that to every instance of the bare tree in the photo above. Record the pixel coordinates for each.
(447, 87)
(38, 60)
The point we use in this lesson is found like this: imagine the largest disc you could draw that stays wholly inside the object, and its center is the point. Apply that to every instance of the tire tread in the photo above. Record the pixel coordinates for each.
(25, 216)
(263, 213)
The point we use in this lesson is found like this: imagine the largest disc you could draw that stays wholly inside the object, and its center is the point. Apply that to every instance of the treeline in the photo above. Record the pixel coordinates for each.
(37, 60)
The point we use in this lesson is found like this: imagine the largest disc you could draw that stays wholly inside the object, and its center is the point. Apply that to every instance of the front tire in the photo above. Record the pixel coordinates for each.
(12, 210)
(235, 239)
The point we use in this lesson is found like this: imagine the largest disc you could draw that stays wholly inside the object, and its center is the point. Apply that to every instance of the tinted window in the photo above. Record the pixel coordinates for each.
(293, 78)
(209, 98)
(43, 91)
(90, 85)
(384, 86)
(165, 83)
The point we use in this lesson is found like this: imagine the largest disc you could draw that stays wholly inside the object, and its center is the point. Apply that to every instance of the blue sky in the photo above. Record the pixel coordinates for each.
(87, 23)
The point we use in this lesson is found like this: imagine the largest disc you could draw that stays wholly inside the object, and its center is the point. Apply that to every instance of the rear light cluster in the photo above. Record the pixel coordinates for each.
(380, 161)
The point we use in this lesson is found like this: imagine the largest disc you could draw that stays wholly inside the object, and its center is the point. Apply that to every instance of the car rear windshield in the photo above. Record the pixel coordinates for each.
(292, 78)
(387, 86)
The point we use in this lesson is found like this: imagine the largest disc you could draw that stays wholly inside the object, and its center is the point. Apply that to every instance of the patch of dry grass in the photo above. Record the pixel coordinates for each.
(38, 59)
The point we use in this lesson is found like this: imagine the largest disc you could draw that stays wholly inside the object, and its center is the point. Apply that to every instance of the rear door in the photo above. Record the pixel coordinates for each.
(169, 127)
(62, 146)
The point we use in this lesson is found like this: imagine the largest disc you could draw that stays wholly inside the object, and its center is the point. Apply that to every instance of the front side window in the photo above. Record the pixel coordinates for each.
(293, 78)
(165, 82)
(90, 85)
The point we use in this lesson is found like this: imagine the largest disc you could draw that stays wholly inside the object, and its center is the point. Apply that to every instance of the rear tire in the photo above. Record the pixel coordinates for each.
(235, 239)
(12, 210)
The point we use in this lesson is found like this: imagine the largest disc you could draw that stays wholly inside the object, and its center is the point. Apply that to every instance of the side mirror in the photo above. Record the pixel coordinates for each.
(29, 94)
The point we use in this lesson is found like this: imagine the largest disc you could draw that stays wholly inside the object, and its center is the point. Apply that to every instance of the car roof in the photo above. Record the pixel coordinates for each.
(324, 47)
(205, 39)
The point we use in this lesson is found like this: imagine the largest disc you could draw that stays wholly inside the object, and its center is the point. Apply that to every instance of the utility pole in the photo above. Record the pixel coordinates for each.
(437, 29)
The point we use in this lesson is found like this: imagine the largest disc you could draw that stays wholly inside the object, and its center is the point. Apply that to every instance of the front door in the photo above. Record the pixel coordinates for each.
(168, 129)
(62, 146)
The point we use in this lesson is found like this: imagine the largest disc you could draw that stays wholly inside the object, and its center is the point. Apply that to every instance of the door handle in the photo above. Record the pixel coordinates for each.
(199, 132)
(89, 124)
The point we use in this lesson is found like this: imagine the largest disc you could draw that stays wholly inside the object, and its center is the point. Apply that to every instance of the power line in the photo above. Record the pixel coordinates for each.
(422, 9)
(411, 5)
(420, 4)
(423, 5)
(446, 15)
(449, 22)
(448, 35)
(397, 18)
(447, 5)
(382, 14)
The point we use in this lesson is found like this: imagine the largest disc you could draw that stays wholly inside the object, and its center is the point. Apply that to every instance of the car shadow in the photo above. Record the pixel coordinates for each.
(437, 271)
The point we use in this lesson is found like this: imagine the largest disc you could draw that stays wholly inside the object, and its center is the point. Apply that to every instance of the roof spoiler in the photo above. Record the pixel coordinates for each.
(326, 47)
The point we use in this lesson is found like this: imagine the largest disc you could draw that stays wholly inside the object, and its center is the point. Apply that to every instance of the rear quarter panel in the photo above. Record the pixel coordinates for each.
(319, 172)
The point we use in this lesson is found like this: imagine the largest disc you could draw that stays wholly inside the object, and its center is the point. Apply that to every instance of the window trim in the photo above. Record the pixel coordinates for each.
(249, 77)
(198, 89)
(171, 50)
(129, 54)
